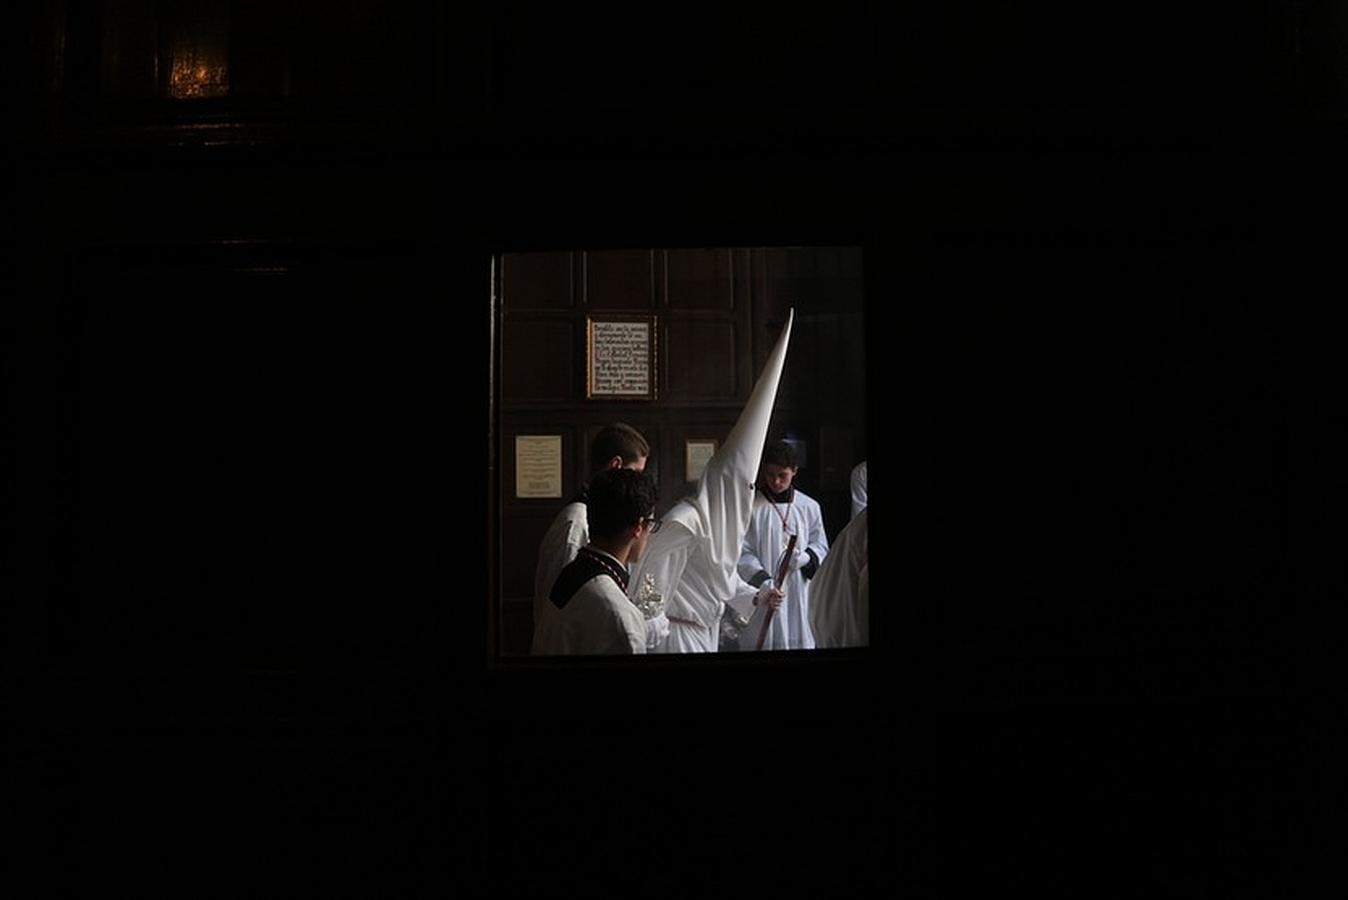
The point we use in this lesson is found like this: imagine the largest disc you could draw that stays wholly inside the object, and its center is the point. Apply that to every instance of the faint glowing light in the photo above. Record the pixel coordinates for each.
(198, 72)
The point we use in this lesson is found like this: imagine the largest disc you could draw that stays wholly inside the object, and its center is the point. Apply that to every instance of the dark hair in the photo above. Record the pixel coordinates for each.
(618, 439)
(617, 499)
(781, 453)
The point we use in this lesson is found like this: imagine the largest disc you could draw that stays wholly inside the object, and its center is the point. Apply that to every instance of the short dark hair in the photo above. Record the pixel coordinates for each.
(617, 500)
(618, 439)
(781, 453)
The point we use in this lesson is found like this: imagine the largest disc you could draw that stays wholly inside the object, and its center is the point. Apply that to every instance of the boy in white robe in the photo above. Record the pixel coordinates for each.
(589, 612)
(616, 446)
(780, 512)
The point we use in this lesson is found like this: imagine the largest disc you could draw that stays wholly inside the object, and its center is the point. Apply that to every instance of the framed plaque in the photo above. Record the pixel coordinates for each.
(538, 465)
(696, 454)
(620, 357)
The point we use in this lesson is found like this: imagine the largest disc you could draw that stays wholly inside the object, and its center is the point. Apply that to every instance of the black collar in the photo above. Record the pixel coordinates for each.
(589, 563)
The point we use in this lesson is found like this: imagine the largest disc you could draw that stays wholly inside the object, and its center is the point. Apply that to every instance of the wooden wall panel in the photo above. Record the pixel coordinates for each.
(821, 400)
(526, 531)
(539, 359)
(620, 280)
(537, 281)
(699, 279)
(701, 360)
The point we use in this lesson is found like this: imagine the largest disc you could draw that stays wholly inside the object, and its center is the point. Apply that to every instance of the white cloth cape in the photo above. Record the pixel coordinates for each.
(858, 482)
(840, 590)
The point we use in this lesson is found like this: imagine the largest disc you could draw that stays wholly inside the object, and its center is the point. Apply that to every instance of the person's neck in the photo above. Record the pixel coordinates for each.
(616, 550)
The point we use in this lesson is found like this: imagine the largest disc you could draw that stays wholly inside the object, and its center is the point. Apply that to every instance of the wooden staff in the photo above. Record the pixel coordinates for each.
(781, 576)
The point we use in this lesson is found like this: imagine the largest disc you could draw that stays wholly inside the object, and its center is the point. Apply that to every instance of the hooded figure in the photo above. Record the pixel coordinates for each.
(693, 558)
(840, 595)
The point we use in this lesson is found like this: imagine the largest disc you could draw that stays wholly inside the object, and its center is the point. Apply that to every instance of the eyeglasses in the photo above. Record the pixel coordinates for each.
(652, 524)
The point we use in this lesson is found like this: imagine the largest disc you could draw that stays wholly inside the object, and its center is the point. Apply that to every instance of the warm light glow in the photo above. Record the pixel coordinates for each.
(197, 72)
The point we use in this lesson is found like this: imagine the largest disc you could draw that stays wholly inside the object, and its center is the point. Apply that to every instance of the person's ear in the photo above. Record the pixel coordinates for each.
(616, 462)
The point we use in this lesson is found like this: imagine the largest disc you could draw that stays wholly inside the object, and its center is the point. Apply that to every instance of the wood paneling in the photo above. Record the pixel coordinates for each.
(526, 530)
(619, 279)
(537, 281)
(701, 360)
(699, 279)
(539, 359)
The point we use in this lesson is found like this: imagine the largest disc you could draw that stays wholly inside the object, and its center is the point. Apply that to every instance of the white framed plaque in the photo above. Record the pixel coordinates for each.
(620, 357)
(538, 465)
(696, 454)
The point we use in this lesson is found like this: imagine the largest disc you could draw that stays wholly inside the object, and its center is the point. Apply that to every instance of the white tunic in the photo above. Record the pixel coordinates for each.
(692, 581)
(568, 533)
(764, 546)
(840, 594)
(565, 536)
(597, 619)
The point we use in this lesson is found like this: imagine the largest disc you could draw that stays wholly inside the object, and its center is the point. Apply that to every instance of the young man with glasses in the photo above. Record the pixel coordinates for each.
(588, 611)
(615, 446)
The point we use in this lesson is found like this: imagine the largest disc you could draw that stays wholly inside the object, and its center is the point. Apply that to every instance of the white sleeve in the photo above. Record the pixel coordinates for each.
(743, 600)
(657, 629)
(818, 538)
(560, 545)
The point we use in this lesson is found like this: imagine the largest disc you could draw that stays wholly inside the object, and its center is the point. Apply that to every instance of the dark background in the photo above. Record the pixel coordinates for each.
(247, 461)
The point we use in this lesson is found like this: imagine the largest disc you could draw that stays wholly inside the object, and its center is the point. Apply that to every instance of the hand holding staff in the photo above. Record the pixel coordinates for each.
(781, 576)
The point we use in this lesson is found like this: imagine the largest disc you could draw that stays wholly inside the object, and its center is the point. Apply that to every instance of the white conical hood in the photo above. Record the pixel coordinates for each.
(692, 562)
(725, 492)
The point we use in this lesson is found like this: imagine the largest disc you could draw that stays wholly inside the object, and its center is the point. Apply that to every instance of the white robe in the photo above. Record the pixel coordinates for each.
(858, 482)
(692, 582)
(561, 542)
(598, 619)
(693, 558)
(840, 593)
(764, 545)
(565, 536)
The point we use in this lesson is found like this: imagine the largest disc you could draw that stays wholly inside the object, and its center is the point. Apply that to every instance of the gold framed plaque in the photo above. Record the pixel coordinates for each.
(620, 357)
